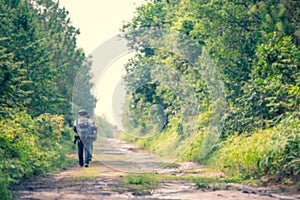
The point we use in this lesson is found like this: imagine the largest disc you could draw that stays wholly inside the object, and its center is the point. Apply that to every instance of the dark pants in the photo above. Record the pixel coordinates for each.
(86, 147)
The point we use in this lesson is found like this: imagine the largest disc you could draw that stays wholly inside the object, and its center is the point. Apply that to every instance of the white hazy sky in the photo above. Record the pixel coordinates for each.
(98, 21)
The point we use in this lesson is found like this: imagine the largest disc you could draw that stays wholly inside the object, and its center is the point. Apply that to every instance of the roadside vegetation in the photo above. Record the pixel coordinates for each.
(255, 48)
(39, 62)
(253, 44)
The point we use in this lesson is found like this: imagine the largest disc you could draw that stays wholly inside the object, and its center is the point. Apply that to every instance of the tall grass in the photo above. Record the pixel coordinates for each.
(273, 153)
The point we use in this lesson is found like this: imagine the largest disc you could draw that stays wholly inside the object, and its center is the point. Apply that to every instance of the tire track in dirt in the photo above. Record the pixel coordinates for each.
(113, 159)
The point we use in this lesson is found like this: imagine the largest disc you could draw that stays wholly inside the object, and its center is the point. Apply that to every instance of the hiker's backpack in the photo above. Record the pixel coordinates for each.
(84, 128)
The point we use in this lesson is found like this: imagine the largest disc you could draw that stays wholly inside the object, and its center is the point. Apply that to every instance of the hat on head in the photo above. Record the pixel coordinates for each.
(82, 112)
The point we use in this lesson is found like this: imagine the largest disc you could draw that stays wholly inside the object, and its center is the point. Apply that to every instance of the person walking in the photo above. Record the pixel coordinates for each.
(84, 134)
(93, 138)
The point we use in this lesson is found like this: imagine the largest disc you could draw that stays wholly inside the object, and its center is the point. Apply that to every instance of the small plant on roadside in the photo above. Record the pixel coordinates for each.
(139, 184)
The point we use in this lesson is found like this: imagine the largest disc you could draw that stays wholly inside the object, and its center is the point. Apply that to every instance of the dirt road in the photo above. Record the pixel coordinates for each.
(114, 159)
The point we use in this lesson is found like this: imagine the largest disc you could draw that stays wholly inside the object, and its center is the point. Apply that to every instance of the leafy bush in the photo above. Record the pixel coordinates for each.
(31, 146)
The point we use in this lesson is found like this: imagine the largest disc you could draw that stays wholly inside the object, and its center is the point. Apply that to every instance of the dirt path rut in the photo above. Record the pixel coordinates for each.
(114, 158)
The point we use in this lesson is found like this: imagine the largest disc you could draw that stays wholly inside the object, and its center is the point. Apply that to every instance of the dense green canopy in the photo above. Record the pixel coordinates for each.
(255, 48)
(40, 59)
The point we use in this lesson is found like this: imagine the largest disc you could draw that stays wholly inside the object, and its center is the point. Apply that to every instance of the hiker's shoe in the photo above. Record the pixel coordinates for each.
(86, 165)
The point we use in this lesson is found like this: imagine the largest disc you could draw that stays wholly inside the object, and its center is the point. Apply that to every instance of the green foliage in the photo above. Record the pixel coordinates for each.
(281, 17)
(272, 152)
(272, 90)
(276, 73)
(31, 146)
(193, 152)
(37, 52)
(255, 46)
(4, 191)
(12, 79)
(139, 180)
(148, 15)
(39, 62)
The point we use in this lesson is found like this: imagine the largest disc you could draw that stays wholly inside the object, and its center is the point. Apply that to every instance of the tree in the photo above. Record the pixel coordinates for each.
(275, 77)
(40, 59)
